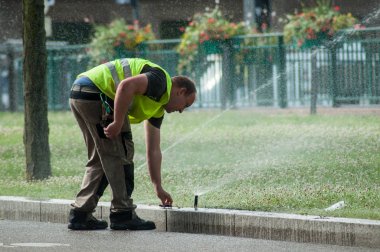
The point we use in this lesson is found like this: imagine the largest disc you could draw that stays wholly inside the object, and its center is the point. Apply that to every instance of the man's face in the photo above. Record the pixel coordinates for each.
(179, 101)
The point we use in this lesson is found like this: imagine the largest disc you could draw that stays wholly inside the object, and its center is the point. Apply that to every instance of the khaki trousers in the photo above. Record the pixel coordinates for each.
(110, 161)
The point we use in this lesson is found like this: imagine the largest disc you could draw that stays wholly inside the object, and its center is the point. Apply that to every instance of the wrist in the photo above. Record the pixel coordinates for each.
(157, 187)
(118, 119)
(117, 124)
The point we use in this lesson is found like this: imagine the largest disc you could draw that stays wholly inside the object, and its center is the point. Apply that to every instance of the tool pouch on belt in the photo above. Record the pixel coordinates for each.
(103, 124)
(107, 115)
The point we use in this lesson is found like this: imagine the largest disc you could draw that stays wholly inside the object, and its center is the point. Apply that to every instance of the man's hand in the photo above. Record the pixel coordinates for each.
(165, 197)
(112, 130)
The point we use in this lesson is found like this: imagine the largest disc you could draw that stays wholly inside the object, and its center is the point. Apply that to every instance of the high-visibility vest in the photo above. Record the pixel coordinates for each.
(108, 76)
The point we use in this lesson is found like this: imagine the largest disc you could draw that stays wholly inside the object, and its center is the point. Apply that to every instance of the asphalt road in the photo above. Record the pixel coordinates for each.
(38, 236)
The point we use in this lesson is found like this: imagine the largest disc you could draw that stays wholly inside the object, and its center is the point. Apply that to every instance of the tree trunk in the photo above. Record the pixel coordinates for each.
(36, 128)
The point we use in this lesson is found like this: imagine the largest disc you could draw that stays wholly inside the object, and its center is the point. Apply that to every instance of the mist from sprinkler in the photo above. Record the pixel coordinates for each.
(366, 20)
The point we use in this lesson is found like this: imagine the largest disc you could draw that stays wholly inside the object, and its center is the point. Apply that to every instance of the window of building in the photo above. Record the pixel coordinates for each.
(74, 33)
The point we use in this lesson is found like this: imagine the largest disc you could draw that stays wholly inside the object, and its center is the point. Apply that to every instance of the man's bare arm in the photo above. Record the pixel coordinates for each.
(154, 159)
(136, 85)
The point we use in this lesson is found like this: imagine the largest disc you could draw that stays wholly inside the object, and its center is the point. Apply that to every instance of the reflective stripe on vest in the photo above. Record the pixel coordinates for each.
(126, 69)
(108, 76)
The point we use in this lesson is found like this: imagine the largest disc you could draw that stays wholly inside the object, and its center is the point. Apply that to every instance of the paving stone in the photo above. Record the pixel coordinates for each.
(19, 208)
(308, 229)
(203, 221)
(259, 225)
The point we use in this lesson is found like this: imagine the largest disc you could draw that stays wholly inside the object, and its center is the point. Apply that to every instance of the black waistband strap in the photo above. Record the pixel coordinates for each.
(84, 95)
(90, 96)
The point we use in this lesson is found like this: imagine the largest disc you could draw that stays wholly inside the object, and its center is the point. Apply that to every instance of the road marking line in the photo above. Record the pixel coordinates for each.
(30, 244)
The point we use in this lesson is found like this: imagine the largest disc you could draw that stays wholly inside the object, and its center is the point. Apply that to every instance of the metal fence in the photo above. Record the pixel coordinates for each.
(247, 71)
(263, 71)
(64, 63)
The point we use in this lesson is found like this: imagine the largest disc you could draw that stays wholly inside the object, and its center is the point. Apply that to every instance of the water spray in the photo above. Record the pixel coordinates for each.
(338, 39)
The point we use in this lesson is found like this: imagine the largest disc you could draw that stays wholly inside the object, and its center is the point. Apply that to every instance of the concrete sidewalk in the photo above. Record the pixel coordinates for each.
(258, 225)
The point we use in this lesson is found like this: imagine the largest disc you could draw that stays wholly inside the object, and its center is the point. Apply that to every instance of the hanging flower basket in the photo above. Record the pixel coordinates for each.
(314, 26)
(122, 52)
(118, 40)
(320, 39)
(205, 34)
(211, 47)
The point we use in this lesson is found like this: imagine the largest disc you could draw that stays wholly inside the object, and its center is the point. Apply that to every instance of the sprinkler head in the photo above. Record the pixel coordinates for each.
(166, 206)
(196, 202)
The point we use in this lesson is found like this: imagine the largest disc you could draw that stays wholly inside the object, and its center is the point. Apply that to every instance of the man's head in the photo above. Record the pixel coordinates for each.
(182, 95)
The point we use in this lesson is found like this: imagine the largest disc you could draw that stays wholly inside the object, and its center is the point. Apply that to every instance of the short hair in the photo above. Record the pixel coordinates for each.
(184, 82)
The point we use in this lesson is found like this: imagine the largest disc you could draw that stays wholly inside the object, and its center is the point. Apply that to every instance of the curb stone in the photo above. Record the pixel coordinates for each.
(249, 224)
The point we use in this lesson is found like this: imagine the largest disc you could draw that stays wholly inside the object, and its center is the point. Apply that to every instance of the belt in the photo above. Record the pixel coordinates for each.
(85, 93)
(89, 93)
(86, 89)
(92, 93)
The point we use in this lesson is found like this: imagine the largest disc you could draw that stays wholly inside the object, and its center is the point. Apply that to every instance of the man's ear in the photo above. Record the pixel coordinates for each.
(182, 91)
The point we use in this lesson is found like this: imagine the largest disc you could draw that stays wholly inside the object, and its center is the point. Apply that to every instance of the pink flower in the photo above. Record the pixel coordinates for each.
(211, 20)
(358, 26)
(233, 25)
(336, 8)
(264, 26)
(310, 34)
(204, 36)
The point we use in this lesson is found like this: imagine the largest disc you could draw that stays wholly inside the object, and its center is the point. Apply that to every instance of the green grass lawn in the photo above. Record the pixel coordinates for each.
(241, 159)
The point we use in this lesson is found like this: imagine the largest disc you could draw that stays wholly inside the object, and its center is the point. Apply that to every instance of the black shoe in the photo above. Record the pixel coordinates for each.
(85, 221)
(128, 220)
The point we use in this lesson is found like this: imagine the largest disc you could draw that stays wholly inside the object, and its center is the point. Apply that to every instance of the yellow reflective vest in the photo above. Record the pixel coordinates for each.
(107, 77)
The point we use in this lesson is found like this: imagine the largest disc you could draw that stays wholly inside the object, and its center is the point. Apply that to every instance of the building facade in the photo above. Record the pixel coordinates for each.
(73, 21)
